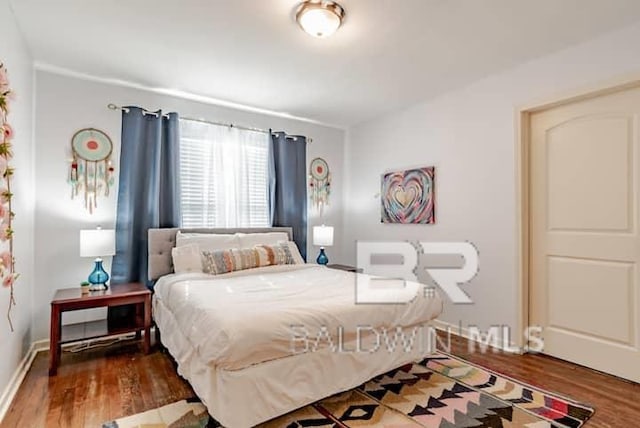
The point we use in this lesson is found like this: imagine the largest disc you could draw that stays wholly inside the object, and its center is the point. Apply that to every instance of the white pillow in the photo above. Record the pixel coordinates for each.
(208, 241)
(250, 240)
(186, 258)
(295, 252)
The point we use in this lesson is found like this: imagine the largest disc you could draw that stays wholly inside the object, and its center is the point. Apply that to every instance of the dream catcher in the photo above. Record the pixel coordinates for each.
(319, 183)
(91, 170)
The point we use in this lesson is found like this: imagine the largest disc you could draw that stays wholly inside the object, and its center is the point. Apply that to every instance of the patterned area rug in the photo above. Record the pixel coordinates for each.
(182, 414)
(440, 392)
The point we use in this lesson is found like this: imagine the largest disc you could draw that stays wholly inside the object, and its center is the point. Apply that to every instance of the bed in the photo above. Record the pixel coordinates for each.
(259, 343)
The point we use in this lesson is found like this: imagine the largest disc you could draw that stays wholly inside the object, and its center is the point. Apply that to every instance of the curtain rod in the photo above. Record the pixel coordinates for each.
(112, 106)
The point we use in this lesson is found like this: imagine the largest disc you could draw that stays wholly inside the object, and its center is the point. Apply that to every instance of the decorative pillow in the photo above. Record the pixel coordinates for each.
(186, 259)
(278, 254)
(225, 261)
(208, 241)
(295, 252)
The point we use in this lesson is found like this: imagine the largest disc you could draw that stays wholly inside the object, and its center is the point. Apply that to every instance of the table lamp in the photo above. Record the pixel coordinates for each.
(97, 243)
(322, 236)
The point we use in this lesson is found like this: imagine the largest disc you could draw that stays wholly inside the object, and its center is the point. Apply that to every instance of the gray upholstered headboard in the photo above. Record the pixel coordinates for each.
(161, 241)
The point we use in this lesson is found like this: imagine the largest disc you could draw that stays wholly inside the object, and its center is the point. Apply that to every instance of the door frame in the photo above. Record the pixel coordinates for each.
(522, 179)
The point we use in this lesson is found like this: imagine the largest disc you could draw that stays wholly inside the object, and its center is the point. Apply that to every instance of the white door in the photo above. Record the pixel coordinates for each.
(584, 229)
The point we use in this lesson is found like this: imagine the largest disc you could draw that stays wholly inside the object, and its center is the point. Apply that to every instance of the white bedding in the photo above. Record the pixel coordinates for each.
(248, 317)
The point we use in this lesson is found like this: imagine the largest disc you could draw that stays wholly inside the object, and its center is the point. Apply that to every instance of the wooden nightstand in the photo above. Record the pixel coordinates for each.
(345, 268)
(72, 299)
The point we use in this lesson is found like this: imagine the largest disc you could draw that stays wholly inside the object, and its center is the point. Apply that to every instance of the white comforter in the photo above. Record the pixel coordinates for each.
(248, 317)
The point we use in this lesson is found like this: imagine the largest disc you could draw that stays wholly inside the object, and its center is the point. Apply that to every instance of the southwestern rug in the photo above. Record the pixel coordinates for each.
(442, 391)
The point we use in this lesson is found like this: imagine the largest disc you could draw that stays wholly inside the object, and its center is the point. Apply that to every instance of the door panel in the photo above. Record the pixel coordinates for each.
(576, 294)
(585, 246)
(599, 149)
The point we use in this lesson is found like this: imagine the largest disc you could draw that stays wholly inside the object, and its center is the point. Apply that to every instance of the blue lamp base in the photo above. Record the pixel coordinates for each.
(99, 277)
(322, 257)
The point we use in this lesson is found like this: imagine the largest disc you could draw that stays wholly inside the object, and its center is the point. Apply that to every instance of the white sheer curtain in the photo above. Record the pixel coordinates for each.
(224, 176)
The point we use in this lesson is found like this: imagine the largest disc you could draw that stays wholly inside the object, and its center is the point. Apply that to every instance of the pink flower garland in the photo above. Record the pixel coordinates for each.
(8, 275)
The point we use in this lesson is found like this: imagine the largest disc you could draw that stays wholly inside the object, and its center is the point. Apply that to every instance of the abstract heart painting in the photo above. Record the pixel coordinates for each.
(408, 196)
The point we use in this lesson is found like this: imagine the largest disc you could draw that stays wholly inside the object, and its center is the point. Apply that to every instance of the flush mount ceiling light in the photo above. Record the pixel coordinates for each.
(319, 18)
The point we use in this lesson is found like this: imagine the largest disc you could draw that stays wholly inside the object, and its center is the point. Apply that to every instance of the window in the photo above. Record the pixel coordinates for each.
(224, 176)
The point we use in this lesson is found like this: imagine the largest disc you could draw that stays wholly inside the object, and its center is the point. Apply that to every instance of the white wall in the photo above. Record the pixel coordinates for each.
(469, 135)
(64, 105)
(16, 57)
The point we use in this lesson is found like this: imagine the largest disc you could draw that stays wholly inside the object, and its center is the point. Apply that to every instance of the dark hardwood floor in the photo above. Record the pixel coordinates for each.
(96, 386)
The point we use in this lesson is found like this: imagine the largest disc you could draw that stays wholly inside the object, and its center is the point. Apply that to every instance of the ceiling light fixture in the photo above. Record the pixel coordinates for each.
(320, 18)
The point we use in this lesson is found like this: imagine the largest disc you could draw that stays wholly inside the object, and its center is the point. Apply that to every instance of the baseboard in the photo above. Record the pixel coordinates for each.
(11, 390)
(458, 330)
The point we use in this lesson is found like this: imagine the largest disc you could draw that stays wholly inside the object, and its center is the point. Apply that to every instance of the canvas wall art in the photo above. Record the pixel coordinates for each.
(408, 197)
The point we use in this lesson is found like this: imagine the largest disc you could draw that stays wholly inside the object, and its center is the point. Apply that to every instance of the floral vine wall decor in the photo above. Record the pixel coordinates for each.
(7, 261)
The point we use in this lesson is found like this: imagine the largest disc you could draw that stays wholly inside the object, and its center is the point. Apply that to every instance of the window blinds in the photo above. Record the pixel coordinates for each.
(224, 176)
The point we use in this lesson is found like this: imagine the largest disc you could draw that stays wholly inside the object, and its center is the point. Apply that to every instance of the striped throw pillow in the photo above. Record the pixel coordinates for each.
(231, 260)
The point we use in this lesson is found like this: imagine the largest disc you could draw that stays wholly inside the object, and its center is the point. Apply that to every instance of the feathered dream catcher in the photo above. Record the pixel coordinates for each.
(8, 274)
(91, 171)
(319, 183)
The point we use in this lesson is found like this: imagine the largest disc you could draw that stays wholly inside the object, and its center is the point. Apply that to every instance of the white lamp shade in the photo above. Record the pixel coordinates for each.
(97, 242)
(323, 236)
